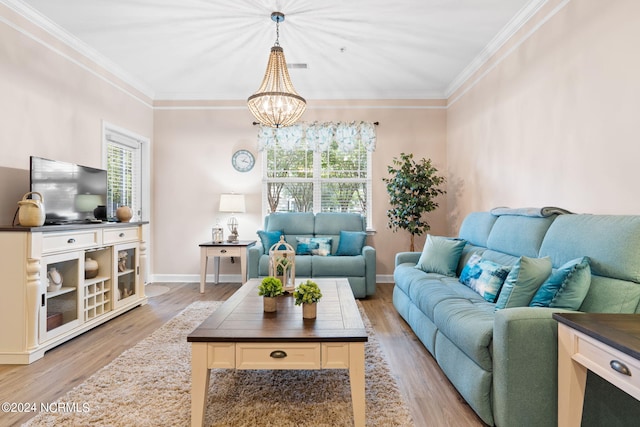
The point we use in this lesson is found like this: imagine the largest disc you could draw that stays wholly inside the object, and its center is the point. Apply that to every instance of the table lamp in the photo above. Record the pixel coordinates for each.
(233, 203)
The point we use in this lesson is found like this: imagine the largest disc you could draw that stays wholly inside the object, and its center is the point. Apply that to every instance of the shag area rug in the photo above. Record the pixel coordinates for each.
(150, 385)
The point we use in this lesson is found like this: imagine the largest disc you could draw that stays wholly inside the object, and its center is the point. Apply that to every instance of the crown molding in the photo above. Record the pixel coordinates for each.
(53, 29)
(509, 30)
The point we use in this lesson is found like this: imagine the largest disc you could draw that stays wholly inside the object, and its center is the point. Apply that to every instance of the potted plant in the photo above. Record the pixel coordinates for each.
(413, 189)
(270, 288)
(307, 294)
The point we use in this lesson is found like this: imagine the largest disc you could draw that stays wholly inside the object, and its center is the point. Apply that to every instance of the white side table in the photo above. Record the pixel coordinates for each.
(224, 249)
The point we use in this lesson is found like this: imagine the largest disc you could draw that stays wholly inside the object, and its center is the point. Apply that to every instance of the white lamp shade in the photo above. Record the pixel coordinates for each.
(232, 203)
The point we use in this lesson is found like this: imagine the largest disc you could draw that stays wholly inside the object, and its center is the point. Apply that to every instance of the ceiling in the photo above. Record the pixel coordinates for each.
(356, 49)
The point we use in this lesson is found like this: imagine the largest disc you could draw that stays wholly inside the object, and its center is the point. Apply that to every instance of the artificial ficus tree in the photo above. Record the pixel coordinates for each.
(413, 188)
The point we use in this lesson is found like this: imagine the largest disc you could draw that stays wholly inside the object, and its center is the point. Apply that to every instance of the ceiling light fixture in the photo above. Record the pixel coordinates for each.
(276, 103)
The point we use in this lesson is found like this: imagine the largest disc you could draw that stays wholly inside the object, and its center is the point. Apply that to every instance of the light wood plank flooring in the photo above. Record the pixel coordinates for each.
(431, 397)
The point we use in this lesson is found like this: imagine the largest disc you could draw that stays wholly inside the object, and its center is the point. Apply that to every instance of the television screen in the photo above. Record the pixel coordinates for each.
(70, 192)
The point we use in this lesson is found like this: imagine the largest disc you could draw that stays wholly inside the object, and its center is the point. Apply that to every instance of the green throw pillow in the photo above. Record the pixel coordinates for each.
(441, 255)
(574, 278)
(523, 281)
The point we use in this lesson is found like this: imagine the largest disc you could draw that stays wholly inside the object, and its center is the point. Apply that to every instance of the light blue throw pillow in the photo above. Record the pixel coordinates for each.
(313, 246)
(351, 243)
(484, 276)
(441, 255)
(523, 281)
(268, 239)
(573, 279)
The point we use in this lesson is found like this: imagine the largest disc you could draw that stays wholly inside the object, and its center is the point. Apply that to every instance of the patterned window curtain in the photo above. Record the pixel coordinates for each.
(319, 136)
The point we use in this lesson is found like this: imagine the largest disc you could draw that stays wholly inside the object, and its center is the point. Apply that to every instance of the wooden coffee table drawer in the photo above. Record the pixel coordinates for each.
(278, 356)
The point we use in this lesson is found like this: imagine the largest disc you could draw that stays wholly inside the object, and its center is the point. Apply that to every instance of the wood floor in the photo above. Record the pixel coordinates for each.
(432, 399)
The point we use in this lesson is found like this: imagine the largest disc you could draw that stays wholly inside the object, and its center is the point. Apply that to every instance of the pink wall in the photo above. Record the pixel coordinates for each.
(193, 145)
(554, 123)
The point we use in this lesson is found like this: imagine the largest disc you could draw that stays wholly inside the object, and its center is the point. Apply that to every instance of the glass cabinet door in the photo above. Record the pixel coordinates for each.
(60, 278)
(127, 273)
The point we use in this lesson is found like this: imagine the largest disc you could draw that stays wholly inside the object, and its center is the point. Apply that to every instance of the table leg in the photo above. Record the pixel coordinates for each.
(200, 375)
(216, 263)
(203, 268)
(572, 380)
(356, 378)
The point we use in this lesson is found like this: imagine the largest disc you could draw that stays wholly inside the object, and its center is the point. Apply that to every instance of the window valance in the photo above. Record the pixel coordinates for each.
(319, 136)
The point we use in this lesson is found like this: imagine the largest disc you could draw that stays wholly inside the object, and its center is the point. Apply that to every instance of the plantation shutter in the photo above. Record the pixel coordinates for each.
(123, 173)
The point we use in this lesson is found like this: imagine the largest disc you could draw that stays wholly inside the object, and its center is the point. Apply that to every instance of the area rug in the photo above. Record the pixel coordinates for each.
(149, 385)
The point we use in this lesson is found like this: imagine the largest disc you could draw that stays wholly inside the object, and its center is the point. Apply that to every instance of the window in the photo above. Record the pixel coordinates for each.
(318, 168)
(124, 158)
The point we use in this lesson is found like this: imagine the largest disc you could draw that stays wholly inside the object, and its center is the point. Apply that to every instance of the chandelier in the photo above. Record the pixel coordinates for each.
(276, 103)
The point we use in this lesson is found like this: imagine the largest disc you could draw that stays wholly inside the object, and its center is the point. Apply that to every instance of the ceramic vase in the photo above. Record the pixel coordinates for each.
(31, 211)
(309, 311)
(124, 213)
(55, 280)
(90, 268)
(270, 304)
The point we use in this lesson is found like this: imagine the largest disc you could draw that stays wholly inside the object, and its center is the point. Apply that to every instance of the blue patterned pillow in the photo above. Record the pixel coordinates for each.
(484, 276)
(268, 239)
(313, 246)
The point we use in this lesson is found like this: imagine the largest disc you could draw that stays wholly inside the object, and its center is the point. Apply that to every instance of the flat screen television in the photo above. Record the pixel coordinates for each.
(71, 192)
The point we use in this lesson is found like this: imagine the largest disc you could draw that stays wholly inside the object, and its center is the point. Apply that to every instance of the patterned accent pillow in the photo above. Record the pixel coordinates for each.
(484, 276)
(313, 246)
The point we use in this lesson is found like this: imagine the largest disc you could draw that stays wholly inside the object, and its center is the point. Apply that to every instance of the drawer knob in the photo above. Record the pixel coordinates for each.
(278, 354)
(121, 235)
(618, 366)
(223, 251)
(72, 240)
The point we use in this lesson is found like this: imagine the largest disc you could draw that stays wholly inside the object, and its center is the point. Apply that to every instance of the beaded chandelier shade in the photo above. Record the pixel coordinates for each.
(276, 103)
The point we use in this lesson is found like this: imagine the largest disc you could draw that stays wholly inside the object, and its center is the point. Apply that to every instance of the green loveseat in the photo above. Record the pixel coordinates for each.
(504, 362)
(359, 268)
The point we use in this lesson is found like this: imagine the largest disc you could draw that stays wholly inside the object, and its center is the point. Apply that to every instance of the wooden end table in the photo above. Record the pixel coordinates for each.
(240, 335)
(606, 344)
(223, 249)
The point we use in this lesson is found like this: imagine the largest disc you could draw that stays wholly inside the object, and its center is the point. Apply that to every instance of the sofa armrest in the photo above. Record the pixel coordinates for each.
(369, 254)
(255, 252)
(525, 366)
(407, 257)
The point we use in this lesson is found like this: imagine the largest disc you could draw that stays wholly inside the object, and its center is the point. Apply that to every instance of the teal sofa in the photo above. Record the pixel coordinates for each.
(359, 268)
(504, 362)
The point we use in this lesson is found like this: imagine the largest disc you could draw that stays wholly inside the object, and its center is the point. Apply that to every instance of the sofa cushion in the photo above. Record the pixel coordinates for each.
(575, 273)
(484, 276)
(353, 266)
(440, 255)
(332, 223)
(291, 223)
(523, 281)
(351, 243)
(518, 235)
(268, 239)
(313, 246)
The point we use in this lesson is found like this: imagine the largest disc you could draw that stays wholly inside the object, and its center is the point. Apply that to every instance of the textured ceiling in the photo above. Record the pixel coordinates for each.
(357, 49)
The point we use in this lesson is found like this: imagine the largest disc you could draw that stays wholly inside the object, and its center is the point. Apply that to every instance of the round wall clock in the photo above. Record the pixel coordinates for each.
(243, 161)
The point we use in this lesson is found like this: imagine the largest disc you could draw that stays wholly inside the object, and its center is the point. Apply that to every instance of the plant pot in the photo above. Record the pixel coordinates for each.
(270, 304)
(309, 311)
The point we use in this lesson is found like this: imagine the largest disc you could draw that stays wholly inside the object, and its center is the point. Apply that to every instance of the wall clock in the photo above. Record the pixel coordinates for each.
(243, 160)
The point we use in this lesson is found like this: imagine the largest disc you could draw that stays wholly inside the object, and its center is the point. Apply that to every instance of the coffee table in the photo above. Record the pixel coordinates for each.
(239, 335)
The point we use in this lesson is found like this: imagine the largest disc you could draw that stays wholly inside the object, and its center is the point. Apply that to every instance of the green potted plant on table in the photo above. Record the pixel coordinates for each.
(269, 289)
(413, 189)
(307, 294)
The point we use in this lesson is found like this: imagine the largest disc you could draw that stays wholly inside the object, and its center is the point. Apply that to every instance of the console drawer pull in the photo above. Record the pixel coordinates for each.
(223, 251)
(618, 366)
(121, 235)
(72, 240)
(278, 354)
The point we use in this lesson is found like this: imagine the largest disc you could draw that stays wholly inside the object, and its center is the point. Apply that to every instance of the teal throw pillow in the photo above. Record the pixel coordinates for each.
(313, 246)
(523, 281)
(573, 278)
(441, 255)
(351, 243)
(484, 276)
(268, 239)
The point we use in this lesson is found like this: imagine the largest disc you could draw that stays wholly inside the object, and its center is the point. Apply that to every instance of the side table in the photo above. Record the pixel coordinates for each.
(223, 249)
(606, 344)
